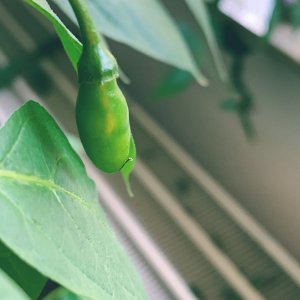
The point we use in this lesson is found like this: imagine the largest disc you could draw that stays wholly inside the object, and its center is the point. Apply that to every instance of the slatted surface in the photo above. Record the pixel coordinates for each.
(227, 235)
(58, 91)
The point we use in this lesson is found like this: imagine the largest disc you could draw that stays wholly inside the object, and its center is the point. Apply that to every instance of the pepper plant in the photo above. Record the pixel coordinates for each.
(51, 224)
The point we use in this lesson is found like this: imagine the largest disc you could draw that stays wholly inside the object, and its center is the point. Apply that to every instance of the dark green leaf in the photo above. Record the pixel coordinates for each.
(230, 104)
(198, 8)
(173, 82)
(193, 40)
(25, 276)
(9, 290)
(294, 14)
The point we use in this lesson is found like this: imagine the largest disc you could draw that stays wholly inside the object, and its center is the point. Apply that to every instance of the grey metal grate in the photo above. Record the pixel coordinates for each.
(255, 263)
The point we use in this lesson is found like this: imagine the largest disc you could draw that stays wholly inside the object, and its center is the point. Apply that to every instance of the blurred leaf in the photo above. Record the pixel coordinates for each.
(294, 14)
(274, 20)
(26, 65)
(143, 25)
(50, 214)
(173, 82)
(70, 43)
(9, 290)
(25, 276)
(177, 80)
(199, 10)
(193, 40)
(230, 104)
(247, 126)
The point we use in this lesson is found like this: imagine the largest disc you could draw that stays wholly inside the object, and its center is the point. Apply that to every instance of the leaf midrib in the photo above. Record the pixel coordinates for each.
(46, 183)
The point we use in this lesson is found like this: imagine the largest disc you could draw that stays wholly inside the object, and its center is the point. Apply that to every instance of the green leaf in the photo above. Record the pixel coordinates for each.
(193, 40)
(72, 46)
(293, 12)
(176, 80)
(63, 294)
(70, 43)
(9, 290)
(25, 276)
(173, 82)
(198, 8)
(50, 215)
(230, 104)
(145, 26)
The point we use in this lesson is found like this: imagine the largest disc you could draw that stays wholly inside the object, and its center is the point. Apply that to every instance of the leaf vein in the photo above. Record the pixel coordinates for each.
(79, 229)
(29, 220)
(13, 145)
(29, 179)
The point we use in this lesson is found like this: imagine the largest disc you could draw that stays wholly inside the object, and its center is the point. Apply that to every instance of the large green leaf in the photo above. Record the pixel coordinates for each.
(9, 290)
(25, 276)
(198, 8)
(143, 25)
(50, 215)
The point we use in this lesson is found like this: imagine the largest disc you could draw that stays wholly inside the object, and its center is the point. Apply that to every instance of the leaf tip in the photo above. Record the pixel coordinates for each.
(201, 79)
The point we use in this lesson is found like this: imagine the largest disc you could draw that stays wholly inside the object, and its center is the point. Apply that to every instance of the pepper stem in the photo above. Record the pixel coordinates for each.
(89, 33)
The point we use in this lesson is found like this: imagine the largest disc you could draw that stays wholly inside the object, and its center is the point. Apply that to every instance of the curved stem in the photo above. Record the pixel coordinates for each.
(89, 33)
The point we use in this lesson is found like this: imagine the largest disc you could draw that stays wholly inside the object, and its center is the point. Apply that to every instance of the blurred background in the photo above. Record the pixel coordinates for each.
(217, 194)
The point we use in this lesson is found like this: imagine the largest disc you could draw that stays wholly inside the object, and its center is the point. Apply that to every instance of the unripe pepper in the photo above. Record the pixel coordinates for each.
(101, 110)
(103, 124)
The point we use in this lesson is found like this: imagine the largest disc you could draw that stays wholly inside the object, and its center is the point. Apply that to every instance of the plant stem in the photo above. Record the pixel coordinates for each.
(89, 33)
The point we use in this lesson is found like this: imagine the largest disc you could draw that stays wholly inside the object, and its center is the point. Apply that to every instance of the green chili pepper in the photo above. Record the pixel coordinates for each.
(101, 111)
